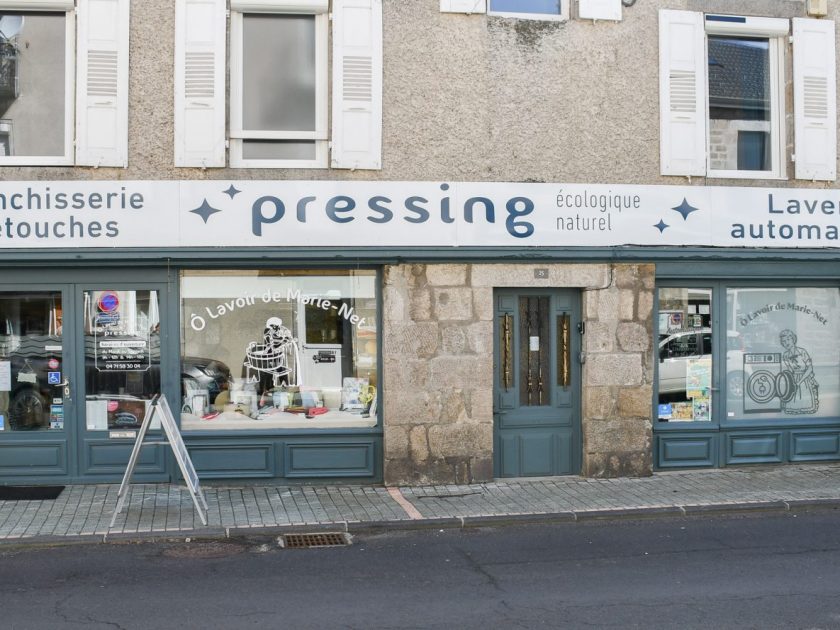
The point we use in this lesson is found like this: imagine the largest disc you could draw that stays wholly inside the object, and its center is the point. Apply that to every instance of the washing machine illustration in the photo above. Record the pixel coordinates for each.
(767, 383)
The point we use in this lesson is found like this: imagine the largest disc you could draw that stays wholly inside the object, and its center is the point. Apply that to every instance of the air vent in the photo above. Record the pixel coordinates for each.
(816, 97)
(683, 91)
(358, 78)
(310, 541)
(199, 72)
(102, 73)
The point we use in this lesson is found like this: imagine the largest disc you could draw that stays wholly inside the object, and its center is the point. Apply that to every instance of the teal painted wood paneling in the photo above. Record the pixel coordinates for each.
(686, 451)
(812, 446)
(752, 448)
(41, 457)
(112, 457)
(226, 461)
(320, 459)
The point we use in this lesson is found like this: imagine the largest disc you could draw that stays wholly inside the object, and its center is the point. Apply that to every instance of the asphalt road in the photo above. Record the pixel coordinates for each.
(761, 571)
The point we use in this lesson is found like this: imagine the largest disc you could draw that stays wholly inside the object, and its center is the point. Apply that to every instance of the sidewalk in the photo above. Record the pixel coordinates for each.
(164, 510)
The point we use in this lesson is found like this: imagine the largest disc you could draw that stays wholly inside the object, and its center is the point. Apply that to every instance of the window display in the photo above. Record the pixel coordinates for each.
(278, 349)
(31, 361)
(685, 355)
(788, 362)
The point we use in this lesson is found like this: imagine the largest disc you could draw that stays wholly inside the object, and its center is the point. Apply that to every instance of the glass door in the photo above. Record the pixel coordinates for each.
(35, 395)
(31, 352)
(121, 364)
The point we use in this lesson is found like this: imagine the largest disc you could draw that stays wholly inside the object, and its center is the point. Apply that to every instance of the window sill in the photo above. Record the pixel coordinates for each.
(230, 421)
(47, 160)
(768, 175)
(547, 17)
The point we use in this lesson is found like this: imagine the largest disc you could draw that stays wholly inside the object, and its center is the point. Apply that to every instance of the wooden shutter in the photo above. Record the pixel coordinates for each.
(463, 6)
(682, 93)
(102, 83)
(357, 84)
(599, 10)
(200, 30)
(814, 99)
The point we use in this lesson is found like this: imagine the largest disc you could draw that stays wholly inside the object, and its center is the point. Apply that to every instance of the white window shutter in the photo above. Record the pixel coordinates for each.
(814, 99)
(200, 36)
(102, 83)
(463, 6)
(599, 10)
(357, 84)
(682, 93)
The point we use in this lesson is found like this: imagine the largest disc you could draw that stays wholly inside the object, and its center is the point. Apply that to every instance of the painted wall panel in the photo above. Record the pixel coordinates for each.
(680, 452)
(754, 448)
(814, 446)
(330, 460)
(33, 458)
(233, 460)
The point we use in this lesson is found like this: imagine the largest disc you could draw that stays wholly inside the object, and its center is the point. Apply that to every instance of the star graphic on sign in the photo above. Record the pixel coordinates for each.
(685, 209)
(205, 210)
(232, 191)
(661, 226)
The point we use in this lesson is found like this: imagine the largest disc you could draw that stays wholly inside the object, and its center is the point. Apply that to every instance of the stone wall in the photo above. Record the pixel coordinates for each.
(438, 376)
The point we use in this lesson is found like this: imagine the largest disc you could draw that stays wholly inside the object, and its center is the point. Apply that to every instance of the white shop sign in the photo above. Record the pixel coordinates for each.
(171, 214)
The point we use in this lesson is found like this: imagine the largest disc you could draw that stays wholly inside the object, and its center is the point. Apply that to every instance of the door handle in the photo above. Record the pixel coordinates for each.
(564, 360)
(506, 350)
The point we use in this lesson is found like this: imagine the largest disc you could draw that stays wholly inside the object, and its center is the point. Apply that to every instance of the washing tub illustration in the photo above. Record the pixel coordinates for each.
(277, 355)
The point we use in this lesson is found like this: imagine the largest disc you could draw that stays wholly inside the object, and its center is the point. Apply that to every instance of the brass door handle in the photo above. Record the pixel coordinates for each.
(564, 351)
(506, 350)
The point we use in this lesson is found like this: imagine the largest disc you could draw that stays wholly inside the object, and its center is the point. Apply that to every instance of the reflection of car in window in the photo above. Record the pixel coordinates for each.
(29, 402)
(678, 349)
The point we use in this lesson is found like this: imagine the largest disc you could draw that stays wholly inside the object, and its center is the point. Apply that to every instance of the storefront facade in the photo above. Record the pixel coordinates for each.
(395, 282)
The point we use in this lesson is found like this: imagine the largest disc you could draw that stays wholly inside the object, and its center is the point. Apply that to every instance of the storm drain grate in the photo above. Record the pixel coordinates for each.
(308, 541)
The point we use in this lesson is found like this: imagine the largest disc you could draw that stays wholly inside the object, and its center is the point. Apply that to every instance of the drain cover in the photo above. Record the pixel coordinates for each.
(308, 541)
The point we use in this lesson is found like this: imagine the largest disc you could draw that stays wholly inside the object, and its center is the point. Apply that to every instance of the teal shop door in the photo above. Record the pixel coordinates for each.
(537, 383)
(78, 364)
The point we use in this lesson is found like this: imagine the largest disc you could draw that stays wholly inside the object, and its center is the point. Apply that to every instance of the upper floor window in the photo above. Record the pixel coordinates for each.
(722, 96)
(279, 84)
(534, 9)
(63, 82)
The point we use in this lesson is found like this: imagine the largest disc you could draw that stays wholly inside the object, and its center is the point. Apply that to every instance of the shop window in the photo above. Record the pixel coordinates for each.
(279, 84)
(53, 123)
(30, 348)
(684, 373)
(782, 360)
(722, 101)
(278, 349)
(534, 9)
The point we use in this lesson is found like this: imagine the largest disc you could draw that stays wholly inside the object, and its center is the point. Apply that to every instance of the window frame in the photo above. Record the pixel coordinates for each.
(68, 159)
(550, 17)
(776, 30)
(238, 135)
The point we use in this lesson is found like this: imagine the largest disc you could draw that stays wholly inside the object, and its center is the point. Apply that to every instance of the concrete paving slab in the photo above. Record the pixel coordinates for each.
(83, 513)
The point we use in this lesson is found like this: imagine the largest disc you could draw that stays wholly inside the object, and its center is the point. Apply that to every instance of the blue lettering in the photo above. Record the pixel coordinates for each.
(375, 204)
(348, 203)
(514, 213)
(412, 205)
(258, 218)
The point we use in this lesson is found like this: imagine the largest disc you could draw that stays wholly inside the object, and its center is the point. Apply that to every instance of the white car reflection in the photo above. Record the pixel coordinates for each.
(677, 350)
